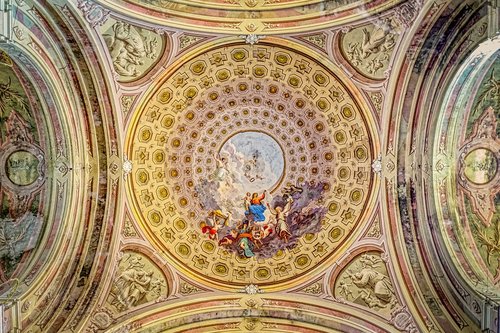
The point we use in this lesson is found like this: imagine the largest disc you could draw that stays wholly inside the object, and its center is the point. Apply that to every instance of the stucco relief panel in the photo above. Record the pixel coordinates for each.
(368, 48)
(137, 281)
(133, 50)
(365, 281)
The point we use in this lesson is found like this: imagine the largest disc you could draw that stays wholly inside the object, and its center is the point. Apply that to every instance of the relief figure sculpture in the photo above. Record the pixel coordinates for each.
(135, 284)
(128, 47)
(373, 283)
(366, 282)
(368, 48)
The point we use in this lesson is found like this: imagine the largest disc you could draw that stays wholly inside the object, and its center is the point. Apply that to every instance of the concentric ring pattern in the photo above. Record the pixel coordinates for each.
(251, 164)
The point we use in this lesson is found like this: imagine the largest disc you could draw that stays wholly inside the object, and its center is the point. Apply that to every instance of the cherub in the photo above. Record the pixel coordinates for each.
(229, 239)
(216, 220)
(344, 289)
(211, 230)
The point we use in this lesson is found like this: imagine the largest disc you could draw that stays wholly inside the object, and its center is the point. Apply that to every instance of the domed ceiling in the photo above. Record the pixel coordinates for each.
(253, 165)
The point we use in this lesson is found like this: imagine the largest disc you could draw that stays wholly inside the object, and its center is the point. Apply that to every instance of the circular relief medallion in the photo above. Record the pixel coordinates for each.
(480, 166)
(250, 176)
(22, 168)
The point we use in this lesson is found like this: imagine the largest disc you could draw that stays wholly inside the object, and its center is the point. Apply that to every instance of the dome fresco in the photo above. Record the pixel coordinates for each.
(249, 166)
(251, 169)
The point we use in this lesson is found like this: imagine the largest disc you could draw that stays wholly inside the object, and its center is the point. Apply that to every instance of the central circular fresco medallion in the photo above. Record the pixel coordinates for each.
(251, 161)
(251, 165)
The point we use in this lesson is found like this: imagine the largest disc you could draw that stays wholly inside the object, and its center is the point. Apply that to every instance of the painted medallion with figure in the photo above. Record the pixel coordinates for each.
(248, 211)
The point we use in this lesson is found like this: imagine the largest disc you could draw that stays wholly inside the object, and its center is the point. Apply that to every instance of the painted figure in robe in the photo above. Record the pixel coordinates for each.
(280, 214)
(257, 208)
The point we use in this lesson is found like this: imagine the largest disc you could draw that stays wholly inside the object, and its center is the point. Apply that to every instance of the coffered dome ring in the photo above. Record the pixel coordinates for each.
(186, 180)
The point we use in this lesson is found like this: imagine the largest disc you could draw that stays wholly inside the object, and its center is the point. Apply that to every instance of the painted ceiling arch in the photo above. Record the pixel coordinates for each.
(75, 145)
(314, 317)
(424, 153)
(24, 171)
(158, 121)
(253, 17)
(475, 168)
